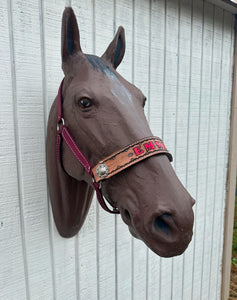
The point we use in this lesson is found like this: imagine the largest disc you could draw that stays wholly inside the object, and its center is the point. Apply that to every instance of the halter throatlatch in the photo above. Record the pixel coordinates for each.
(112, 164)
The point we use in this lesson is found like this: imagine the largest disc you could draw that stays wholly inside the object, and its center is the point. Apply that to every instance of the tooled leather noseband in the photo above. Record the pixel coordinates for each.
(113, 163)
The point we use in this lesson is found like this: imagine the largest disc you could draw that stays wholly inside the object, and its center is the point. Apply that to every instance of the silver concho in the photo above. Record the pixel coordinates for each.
(102, 170)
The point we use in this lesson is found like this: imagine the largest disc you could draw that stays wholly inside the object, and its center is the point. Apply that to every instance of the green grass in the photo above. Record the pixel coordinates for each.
(234, 246)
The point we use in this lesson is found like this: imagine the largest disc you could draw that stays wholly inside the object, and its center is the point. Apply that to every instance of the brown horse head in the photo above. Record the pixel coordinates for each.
(104, 113)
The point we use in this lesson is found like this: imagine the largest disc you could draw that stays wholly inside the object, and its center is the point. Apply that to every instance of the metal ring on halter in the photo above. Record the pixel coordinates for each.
(99, 184)
(60, 121)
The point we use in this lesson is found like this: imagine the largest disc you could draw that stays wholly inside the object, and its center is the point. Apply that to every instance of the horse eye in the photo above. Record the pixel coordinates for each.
(85, 103)
(144, 102)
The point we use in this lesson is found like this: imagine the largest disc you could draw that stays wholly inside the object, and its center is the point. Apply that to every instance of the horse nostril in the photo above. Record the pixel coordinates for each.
(127, 215)
(160, 223)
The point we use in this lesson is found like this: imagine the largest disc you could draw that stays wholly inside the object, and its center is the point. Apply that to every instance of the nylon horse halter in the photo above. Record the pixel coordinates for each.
(112, 164)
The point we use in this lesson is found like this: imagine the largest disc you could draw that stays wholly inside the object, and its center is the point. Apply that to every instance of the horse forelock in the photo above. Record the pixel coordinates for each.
(99, 64)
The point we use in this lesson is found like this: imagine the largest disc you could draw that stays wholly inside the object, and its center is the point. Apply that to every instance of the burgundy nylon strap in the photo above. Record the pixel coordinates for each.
(76, 150)
(63, 133)
(60, 103)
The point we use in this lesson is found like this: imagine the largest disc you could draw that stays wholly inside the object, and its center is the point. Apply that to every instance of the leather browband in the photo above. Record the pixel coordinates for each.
(128, 156)
(112, 164)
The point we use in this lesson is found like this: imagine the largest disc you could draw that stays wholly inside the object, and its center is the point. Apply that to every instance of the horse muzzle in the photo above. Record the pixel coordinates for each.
(157, 210)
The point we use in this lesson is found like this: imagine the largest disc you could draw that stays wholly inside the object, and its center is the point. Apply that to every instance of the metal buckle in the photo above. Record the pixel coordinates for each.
(58, 123)
(98, 184)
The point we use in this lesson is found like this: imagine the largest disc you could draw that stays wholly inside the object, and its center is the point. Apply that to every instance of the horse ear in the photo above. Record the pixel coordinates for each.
(70, 198)
(115, 51)
(70, 34)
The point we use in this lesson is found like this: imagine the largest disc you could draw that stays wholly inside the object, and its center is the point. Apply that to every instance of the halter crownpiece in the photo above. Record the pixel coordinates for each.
(112, 164)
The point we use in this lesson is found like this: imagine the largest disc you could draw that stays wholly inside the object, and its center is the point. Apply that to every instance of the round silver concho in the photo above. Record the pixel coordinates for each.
(102, 170)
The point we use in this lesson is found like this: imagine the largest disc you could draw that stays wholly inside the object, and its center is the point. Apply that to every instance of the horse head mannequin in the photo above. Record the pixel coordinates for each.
(105, 113)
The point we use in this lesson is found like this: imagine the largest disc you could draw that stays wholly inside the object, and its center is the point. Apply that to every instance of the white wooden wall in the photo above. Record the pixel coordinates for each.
(180, 54)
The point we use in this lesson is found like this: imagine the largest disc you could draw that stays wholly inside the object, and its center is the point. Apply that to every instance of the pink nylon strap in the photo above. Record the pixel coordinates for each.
(63, 134)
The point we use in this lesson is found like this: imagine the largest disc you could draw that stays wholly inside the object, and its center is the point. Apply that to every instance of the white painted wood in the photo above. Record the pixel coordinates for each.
(204, 107)
(179, 53)
(211, 199)
(13, 274)
(31, 152)
(63, 250)
(192, 142)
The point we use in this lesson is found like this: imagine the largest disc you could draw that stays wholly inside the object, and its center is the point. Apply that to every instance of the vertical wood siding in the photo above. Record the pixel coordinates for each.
(180, 54)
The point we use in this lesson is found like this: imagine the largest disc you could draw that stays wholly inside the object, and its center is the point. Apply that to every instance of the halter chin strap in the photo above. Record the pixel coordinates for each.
(112, 164)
